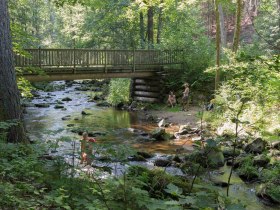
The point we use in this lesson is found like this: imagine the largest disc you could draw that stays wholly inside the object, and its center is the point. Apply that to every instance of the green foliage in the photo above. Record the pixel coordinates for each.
(267, 27)
(271, 174)
(119, 91)
(247, 170)
(254, 85)
(4, 127)
(198, 49)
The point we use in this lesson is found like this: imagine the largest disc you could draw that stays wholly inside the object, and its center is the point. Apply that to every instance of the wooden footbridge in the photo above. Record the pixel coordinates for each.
(72, 64)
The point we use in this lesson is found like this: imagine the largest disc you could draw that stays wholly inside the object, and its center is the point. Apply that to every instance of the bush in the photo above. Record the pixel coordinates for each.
(119, 91)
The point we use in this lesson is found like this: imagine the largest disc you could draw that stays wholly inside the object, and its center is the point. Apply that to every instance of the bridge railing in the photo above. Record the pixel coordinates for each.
(90, 58)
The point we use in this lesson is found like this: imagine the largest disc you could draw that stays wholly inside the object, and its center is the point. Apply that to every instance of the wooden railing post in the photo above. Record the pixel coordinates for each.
(88, 58)
(39, 57)
(74, 61)
(105, 60)
(133, 60)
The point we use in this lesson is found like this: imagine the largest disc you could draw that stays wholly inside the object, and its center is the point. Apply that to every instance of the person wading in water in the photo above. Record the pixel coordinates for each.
(86, 148)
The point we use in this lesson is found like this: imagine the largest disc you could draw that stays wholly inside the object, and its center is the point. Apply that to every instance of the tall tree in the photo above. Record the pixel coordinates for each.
(150, 26)
(222, 26)
(10, 108)
(218, 44)
(142, 30)
(159, 28)
(237, 26)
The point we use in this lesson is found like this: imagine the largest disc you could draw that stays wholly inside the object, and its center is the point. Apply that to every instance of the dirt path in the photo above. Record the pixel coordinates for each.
(177, 118)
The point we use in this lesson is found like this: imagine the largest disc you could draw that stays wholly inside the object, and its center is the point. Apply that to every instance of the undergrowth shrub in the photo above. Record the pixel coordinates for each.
(255, 85)
(119, 91)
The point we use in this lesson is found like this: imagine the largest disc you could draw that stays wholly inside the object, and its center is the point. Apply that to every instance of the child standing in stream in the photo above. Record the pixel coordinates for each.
(185, 98)
(86, 148)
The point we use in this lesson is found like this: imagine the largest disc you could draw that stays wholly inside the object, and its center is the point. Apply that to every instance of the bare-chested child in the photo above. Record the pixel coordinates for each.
(171, 99)
(185, 98)
(86, 148)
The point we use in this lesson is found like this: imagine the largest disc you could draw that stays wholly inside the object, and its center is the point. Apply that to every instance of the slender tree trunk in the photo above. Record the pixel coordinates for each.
(218, 44)
(237, 26)
(142, 30)
(10, 108)
(222, 26)
(150, 27)
(159, 28)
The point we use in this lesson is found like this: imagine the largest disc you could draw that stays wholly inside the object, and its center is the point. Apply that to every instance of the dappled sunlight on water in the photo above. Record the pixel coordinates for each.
(47, 124)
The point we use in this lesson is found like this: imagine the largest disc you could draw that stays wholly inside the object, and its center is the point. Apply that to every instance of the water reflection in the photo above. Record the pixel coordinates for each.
(47, 123)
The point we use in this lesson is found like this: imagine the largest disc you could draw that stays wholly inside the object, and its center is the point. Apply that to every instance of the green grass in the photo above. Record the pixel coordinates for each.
(164, 107)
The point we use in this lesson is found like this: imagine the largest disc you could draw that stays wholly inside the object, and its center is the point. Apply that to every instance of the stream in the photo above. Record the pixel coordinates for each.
(113, 127)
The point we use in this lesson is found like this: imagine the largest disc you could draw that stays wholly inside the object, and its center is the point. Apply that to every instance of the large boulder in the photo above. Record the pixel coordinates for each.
(184, 129)
(269, 192)
(162, 163)
(57, 106)
(67, 117)
(261, 160)
(256, 146)
(136, 158)
(66, 99)
(103, 104)
(82, 88)
(42, 105)
(133, 105)
(275, 145)
(162, 123)
(159, 134)
(85, 113)
(229, 152)
(215, 159)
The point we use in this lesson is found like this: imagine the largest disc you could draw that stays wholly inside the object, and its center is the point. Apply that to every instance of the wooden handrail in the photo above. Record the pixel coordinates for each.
(90, 58)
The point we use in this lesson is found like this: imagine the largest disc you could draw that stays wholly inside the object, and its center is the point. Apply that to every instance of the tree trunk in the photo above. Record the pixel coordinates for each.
(222, 26)
(142, 30)
(159, 28)
(218, 44)
(10, 108)
(150, 27)
(237, 26)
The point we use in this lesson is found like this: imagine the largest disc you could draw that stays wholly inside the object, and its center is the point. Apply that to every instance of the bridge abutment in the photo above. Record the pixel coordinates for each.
(148, 89)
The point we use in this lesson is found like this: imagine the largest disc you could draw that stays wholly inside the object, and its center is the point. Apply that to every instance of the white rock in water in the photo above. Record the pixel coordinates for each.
(196, 138)
(161, 123)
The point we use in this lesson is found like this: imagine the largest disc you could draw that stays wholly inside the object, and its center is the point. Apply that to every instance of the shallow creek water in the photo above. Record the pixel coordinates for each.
(46, 124)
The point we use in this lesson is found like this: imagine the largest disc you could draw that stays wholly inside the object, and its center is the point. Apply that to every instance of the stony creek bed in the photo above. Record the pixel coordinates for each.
(58, 114)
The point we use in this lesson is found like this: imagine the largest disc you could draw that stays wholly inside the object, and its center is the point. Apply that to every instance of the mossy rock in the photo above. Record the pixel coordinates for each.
(246, 170)
(192, 168)
(103, 104)
(57, 106)
(256, 146)
(215, 159)
(162, 163)
(261, 160)
(66, 99)
(85, 113)
(269, 192)
(228, 152)
(137, 158)
(145, 154)
(158, 134)
(42, 105)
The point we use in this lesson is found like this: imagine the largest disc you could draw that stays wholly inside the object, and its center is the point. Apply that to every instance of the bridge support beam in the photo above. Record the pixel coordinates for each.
(80, 76)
